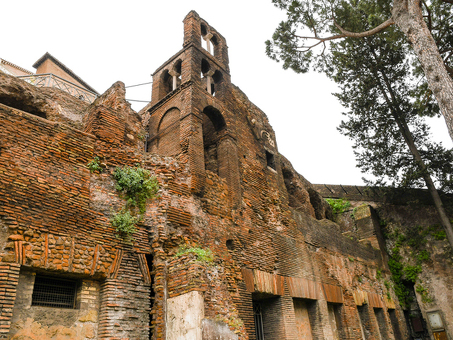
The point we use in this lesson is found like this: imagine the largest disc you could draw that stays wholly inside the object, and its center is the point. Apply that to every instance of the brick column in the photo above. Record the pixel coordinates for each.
(9, 279)
(191, 134)
(319, 318)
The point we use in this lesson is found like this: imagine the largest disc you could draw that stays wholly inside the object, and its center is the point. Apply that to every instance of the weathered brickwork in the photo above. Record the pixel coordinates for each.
(278, 258)
(382, 218)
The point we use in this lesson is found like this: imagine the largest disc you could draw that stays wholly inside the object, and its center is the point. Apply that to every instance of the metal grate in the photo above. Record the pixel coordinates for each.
(258, 316)
(54, 292)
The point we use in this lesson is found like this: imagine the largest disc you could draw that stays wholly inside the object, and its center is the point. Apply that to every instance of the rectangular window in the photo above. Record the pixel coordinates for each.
(382, 323)
(258, 316)
(270, 160)
(54, 292)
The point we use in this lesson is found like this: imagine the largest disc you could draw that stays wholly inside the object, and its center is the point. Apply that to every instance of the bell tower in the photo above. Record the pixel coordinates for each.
(188, 118)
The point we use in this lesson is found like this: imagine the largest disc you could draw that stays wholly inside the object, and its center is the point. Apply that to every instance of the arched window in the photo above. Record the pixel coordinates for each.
(175, 73)
(209, 77)
(167, 82)
(206, 37)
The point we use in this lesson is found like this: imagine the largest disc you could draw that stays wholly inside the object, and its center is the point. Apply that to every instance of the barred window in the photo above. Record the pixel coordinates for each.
(54, 292)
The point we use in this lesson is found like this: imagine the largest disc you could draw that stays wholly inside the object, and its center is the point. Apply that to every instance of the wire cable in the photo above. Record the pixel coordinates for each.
(138, 84)
(134, 100)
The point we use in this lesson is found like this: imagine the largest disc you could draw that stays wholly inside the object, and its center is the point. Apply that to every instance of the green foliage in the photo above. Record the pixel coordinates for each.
(440, 235)
(124, 222)
(203, 255)
(423, 256)
(339, 206)
(137, 185)
(95, 165)
(396, 268)
(383, 89)
(426, 298)
(415, 240)
(378, 274)
(235, 323)
(351, 259)
(411, 272)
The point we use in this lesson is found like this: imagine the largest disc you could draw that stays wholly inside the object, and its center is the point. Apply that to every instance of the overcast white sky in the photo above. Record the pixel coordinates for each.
(106, 41)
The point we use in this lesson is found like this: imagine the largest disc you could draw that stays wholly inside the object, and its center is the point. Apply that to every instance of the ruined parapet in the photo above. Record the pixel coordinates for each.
(302, 196)
(111, 119)
(52, 104)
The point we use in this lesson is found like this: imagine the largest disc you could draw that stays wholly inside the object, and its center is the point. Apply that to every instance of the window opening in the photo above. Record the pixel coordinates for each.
(167, 82)
(20, 105)
(230, 244)
(206, 37)
(176, 75)
(214, 46)
(395, 324)
(258, 317)
(216, 79)
(204, 30)
(382, 324)
(54, 292)
(207, 79)
(414, 318)
(270, 160)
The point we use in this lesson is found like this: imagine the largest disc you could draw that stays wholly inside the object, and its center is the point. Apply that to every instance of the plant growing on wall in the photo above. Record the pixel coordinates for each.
(401, 270)
(136, 186)
(95, 165)
(338, 206)
(124, 222)
(202, 255)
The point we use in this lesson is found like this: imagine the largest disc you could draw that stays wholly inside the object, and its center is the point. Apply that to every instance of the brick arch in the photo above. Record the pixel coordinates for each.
(168, 118)
(166, 81)
(215, 116)
(166, 139)
(177, 65)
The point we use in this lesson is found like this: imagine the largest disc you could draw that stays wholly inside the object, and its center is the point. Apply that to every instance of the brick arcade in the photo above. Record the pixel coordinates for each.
(282, 268)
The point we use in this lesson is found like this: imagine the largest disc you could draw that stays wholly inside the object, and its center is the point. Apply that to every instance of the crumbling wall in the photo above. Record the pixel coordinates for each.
(405, 226)
(50, 103)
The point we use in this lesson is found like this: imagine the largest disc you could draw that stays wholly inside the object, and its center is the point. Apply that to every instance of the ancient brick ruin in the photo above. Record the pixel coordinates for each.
(281, 267)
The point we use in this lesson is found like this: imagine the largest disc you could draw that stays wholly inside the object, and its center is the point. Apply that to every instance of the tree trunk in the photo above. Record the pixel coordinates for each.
(428, 180)
(393, 104)
(408, 16)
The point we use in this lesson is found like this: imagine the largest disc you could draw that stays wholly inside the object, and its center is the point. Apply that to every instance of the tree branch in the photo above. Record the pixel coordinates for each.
(375, 30)
(347, 34)
(430, 23)
(338, 36)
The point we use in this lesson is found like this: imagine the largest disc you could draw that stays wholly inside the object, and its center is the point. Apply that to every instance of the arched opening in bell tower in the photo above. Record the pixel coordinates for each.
(167, 82)
(210, 78)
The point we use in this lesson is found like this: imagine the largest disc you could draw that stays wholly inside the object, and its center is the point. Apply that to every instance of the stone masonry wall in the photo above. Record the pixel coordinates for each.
(263, 222)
